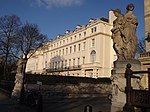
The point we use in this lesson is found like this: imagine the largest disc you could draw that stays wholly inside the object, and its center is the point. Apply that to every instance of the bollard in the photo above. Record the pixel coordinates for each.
(40, 103)
(88, 108)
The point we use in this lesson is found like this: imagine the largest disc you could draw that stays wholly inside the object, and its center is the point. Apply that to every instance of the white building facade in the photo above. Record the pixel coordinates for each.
(85, 52)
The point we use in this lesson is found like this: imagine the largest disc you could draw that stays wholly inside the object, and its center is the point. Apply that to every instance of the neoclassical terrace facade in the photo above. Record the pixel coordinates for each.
(85, 52)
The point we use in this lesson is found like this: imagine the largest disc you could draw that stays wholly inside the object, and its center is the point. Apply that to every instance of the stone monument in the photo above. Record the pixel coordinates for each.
(125, 44)
(19, 79)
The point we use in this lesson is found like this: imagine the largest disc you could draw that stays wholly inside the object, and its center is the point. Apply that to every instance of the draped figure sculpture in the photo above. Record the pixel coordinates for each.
(124, 33)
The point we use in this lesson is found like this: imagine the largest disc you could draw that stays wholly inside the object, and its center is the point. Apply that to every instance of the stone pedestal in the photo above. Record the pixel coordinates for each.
(18, 85)
(119, 83)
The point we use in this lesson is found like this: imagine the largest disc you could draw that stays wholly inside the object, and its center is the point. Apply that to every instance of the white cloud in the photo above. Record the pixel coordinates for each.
(57, 3)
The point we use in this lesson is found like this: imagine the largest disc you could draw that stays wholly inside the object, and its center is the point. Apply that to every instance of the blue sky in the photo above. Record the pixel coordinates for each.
(56, 16)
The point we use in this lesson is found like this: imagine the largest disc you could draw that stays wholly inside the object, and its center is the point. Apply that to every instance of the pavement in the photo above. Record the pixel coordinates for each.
(9, 105)
(57, 104)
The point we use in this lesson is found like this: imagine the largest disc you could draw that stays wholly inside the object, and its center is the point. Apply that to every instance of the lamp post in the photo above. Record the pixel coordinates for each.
(128, 74)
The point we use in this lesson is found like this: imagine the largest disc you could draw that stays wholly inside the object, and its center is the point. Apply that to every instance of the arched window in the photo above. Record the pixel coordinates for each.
(93, 56)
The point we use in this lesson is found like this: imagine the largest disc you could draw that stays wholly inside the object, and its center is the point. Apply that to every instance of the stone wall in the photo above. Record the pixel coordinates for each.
(82, 87)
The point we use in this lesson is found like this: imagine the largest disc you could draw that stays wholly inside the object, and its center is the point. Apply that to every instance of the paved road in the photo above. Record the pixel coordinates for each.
(77, 104)
(57, 105)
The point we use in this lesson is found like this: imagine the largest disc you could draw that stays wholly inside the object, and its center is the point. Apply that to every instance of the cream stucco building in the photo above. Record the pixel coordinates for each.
(145, 57)
(85, 52)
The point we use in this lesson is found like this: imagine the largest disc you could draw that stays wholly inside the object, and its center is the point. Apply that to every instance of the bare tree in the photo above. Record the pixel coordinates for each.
(141, 47)
(9, 26)
(28, 42)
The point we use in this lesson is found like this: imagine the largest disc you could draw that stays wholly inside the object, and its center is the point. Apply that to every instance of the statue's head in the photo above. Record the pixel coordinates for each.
(116, 11)
(130, 7)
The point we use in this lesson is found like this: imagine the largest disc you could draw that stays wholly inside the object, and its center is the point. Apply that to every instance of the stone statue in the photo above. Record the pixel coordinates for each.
(124, 43)
(19, 79)
(117, 33)
(124, 33)
(129, 32)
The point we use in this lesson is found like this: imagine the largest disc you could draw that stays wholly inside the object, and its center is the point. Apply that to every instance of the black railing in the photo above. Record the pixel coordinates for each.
(137, 98)
(61, 69)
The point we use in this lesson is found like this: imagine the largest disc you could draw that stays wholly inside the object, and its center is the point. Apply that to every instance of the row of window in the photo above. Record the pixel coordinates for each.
(59, 63)
(72, 49)
(66, 63)
(62, 42)
(69, 50)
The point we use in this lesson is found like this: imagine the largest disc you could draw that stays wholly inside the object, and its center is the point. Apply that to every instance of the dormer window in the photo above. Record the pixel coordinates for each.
(78, 26)
(67, 31)
(58, 36)
(92, 20)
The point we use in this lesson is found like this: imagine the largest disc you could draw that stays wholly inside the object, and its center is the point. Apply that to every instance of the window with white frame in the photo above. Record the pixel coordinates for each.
(69, 62)
(73, 62)
(79, 47)
(66, 50)
(93, 56)
(79, 35)
(93, 42)
(78, 61)
(74, 48)
(63, 51)
(93, 29)
(71, 39)
(84, 45)
(84, 33)
(59, 52)
(75, 37)
(70, 49)
(83, 60)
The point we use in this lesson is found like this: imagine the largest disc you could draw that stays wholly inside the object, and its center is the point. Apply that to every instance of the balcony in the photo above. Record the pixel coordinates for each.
(62, 69)
(144, 55)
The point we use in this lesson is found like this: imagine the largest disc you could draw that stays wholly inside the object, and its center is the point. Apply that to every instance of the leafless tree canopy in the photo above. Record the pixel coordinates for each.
(29, 39)
(141, 46)
(9, 26)
(18, 40)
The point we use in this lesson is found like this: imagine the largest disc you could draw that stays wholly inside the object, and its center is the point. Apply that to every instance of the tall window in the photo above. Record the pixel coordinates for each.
(78, 61)
(80, 35)
(58, 64)
(63, 41)
(62, 64)
(93, 56)
(74, 48)
(70, 49)
(71, 39)
(65, 63)
(63, 51)
(84, 33)
(69, 62)
(83, 60)
(59, 52)
(74, 62)
(75, 37)
(93, 42)
(83, 45)
(79, 47)
(66, 50)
